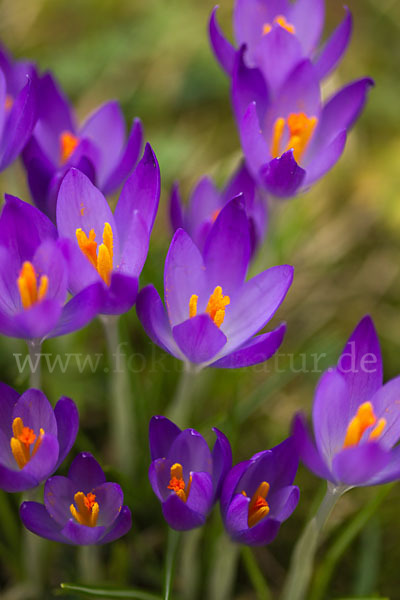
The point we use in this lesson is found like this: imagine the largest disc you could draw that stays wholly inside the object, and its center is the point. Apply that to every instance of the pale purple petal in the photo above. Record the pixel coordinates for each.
(248, 85)
(335, 46)
(179, 516)
(176, 208)
(128, 159)
(223, 50)
(110, 498)
(222, 461)
(36, 412)
(307, 450)
(81, 535)
(325, 159)
(357, 464)
(199, 339)
(308, 17)
(36, 518)
(58, 496)
(67, 418)
(121, 526)
(80, 310)
(162, 432)
(386, 404)
(201, 493)
(121, 295)
(255, 148)
(282, 176)
(190, 450)
(86, 473)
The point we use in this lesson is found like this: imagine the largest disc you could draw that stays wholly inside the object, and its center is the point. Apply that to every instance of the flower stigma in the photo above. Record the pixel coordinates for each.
(86, 509)
(68, 143)
(101, 258)
(215, 308)
(29, 290)
(22, 440)
(258, 506)
(282, 22)
(300, 130)
(177, 483)
(364, 418)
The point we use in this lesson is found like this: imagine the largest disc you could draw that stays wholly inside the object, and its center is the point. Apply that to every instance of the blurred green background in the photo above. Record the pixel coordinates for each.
(343, 238)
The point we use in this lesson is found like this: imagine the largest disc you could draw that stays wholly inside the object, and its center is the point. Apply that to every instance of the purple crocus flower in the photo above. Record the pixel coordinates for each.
(34, 437)
(206, 202)
(98, 147)
(184, 474)
(258, 495)
(18, 106)
(81, 509)
(271, 28)
(212, 313)
(33, 278)
(356, 418)
(289, 138)
(104, 247)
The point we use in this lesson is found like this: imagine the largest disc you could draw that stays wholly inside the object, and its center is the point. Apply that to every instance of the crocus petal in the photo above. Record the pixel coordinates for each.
(3, 97)
(199, 338)
(248, 85)
(80, 310)
(81, 273)
(40, 173)
(307, 450)
(236, 523)
(190, 450)
(222, 461)
(135, 246)
(121, 526)
(299, 93)
(255, 148)
(8, 399)
(10, 299)
(391, 472)
(86, 473)
(183, 276)
(58, 496)
(160, 476)
(227, 249)
(361, 364)
(44, 462)
(230, 484)
(386, 403)
(81, 205)
(201, 493)
(205, 200)
(106, 129)
(55, 117)
(81, 535)
(282, 176)
(176, 208)
(152, 315)
(141, 193)
(110, 498)
(277, 54)
(283, 502)
(162, 432)
(36, 412)
(20, 123)
(67, 418)
(250, 16)
(325, 159)
(14, 480)
(341, 111)
(258, 349)
(37, 322)
(179, 516)
(357, 464)
(335, 46)
(36, 518)
(23, 228)
(223, 50)
(128, 160)
(241, 182)
(49, 260)
(331, 414)
(121, 295)
(255, 305)
(308, 18)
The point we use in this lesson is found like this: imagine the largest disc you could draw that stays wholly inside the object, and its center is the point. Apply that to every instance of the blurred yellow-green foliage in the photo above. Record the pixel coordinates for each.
(343, 237)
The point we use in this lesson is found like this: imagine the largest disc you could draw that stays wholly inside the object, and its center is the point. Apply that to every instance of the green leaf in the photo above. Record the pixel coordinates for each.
(89, 591)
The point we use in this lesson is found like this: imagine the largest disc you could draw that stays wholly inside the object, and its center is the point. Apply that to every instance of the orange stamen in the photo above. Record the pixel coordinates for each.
(216, 306)
(101, 258)
(177, 483)
(27, 283)
(22, 440)
(68, 144)
(86, 509)
(258, 506)
(282, 22)
(300, 129)
(364, 418)
(8, 104)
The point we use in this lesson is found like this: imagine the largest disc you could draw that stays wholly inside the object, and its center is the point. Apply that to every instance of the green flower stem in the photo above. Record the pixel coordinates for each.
(180, 408)
(120, 401)
(301, 566)
(170, 561)
(35, 349)
(89, 564)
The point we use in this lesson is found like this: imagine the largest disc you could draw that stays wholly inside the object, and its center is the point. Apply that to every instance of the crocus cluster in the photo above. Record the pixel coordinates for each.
(188, 479)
